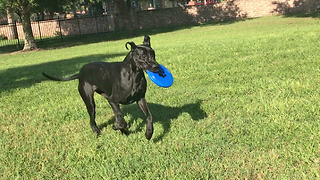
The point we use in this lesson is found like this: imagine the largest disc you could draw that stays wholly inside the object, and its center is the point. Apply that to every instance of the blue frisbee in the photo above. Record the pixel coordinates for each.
(163, 78)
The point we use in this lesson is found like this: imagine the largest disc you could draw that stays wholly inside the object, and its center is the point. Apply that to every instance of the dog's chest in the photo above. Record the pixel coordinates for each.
(136, 91)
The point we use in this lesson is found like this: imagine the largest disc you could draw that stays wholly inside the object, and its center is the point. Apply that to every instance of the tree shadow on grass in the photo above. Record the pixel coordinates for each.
(187, 18)
(297, 8)
(312, 14)
(161, 114)
(27, 76)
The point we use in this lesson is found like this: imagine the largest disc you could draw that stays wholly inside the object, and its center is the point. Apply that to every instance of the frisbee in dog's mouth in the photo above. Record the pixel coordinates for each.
(162, 78)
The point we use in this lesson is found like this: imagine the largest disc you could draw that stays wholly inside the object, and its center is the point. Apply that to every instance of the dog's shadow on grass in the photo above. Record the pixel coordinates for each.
(161, 114)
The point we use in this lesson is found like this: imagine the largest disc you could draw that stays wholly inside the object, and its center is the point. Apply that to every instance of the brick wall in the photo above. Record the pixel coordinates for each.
(254, 8)
(51, 28)
(170, 17)
(227, 10)
(179, 16)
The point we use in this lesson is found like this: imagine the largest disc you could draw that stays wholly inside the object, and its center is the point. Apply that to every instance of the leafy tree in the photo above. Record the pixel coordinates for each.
(124, 12)
(50, 6)
(96, 4)
(23, 9)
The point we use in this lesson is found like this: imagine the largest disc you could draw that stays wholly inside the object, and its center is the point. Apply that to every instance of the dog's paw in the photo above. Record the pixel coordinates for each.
(96, 130)
(149, 134)
(120, 126)
(125, 132)
(116, 127)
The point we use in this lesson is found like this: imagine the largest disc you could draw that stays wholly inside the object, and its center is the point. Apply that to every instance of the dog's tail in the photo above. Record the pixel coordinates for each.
(75, 76)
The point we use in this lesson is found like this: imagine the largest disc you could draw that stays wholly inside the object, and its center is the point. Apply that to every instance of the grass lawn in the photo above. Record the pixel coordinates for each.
(245, 104)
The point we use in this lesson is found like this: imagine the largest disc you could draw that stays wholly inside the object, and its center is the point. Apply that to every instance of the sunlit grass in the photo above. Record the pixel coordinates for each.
(245, 104)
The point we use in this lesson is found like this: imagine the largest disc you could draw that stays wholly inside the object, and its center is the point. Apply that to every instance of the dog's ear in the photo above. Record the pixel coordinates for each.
(146, 41)
(132, 44)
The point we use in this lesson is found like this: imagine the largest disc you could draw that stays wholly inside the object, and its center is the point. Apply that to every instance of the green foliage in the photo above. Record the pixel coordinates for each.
(245, 104)
(50, 6)
(35, 5)
(17, 6)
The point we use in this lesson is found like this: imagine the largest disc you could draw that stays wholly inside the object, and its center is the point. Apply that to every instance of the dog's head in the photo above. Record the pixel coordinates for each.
(143, 55)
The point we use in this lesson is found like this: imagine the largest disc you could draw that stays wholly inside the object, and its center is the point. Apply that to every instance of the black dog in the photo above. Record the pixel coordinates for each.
(120, 82)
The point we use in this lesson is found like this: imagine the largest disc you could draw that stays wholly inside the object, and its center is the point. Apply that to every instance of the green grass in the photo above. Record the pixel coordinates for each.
(245, 104)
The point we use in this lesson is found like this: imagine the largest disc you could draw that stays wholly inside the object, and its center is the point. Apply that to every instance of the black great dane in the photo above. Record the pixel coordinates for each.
(120, 82)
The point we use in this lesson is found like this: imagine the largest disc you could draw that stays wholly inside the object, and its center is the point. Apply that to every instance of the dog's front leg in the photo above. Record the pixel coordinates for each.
(144, 107)
(121, 124)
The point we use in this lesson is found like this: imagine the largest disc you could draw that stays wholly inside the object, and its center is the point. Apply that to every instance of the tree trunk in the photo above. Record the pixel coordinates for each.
(125, 15)
(13, 33)
(74, 9)
(163, 3)
(51, 13)
(29, 43)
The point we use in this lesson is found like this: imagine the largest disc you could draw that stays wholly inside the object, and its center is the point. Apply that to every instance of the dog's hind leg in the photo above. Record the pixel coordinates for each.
(144, 107)
(121, 124)
(86, 91)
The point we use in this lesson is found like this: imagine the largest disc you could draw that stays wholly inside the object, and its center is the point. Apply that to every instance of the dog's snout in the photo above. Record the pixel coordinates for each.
(155, 67)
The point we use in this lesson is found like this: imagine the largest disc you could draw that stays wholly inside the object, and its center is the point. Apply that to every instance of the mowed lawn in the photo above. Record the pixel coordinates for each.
(245, 104)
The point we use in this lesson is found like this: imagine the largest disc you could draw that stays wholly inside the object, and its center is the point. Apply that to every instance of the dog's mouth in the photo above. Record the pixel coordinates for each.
(157, 69)
(154, 68)
(161, 72)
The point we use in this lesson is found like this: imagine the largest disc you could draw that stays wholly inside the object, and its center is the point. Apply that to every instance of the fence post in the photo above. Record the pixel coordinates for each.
(95, 17)
(60, 29)
(79, 25)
